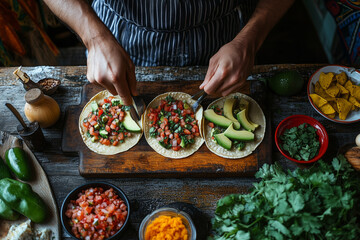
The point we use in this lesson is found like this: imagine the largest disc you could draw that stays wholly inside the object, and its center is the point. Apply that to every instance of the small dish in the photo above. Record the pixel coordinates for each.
(171, 212)
(295, 121)
(73, 195)
(352, 73)
(49, 85)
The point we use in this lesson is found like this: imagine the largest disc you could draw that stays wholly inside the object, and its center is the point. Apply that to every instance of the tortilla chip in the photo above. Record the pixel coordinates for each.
(343, 90)
(255, 114)
(327, 109)
(318, 100)
(331, 115)
(326, 79)
(341, 78)
(355, 91)
(334, 106)
(348, 85)
(321, 92)
(333, 91)
(354, 101)
(97, 146)
(344, 107)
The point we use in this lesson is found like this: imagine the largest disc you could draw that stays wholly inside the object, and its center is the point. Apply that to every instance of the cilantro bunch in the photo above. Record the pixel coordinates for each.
(318, 203)
(302, 142)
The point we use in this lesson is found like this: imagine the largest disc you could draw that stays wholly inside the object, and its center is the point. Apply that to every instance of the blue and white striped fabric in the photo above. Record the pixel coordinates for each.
(171, 32)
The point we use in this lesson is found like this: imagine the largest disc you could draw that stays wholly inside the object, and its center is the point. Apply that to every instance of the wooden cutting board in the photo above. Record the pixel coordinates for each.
(143, 161)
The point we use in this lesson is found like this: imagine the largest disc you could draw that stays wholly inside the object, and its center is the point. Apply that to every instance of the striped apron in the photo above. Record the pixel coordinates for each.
(173, 32)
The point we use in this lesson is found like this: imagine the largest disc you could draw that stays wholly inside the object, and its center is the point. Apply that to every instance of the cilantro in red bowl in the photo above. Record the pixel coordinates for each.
(301, 142)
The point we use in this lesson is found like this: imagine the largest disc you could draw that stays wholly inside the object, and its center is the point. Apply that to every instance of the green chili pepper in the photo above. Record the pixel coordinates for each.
(18, 162)
(4, 170)
(6, 212)
(20, 197)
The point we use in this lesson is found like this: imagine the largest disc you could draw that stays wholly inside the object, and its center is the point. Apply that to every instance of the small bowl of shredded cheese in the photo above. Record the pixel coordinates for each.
(167, 223)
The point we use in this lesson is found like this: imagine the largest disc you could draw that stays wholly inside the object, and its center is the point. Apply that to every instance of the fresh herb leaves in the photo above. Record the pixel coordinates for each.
(300, 142)
(317, 203)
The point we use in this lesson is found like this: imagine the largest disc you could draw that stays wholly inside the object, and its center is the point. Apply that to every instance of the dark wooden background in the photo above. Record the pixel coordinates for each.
(148, 194)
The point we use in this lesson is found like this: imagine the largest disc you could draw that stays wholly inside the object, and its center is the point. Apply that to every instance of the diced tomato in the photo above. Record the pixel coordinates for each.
(178, 140)
(100, 112)
(196, 128)
(115, 143)
(167, 132)
(121, 136)
(93, 123)
(93, 118)
(106, 100)
(187, 132)
(176, 119)
(86, 124)
(167, 108)
(122, 114)
(112, 126)
(210, 124)
(180, 105)
(177, 148)
(106, 142)
(107, 128)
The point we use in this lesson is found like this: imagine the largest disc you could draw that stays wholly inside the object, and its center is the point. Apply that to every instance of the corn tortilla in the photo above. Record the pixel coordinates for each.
(97, 146)
(255, 114)
(184, 152)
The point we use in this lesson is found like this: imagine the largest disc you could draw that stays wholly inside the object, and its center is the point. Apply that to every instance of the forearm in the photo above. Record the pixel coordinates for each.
(264, 18)
(80, 17)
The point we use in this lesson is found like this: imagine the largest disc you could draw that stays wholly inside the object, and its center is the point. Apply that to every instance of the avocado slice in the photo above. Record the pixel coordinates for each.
(130, 124)
(94, 106)
(241, 116)
(219, 120)
(182, 144)
(228, 111)
(242, 135)
(244, 104)
(103, 133)
(223, 141)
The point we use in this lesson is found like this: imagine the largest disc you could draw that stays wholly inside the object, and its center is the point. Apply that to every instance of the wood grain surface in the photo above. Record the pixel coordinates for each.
(148, 194)
(39, 184)
(142, 161)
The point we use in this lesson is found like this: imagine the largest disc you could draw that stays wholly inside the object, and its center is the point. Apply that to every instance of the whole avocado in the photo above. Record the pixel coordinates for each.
(286, 83)
(17, 161)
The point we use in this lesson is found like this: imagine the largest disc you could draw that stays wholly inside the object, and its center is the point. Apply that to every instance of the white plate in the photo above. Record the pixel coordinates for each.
(352, 74)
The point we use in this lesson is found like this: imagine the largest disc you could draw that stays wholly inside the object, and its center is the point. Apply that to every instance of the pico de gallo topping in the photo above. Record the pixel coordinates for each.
(173, 124)
(104, 123)
(96, 214)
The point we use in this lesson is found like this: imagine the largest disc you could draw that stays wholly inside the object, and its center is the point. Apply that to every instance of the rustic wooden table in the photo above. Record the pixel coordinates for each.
(148, 194)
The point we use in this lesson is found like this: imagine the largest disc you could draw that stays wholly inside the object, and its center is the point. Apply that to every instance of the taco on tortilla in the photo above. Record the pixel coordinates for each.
(171, 127)
(106, 126)
(233, 126)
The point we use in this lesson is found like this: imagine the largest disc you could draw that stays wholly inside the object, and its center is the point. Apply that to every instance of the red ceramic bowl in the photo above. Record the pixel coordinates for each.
(294, 121)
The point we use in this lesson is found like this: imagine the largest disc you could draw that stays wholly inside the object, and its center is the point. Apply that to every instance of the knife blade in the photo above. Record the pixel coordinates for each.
(134, 114)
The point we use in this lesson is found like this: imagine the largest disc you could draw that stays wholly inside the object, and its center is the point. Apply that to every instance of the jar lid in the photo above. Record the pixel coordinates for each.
(33, 95)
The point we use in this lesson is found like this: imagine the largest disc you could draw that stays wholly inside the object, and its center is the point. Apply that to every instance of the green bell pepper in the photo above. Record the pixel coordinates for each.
(18, 162)
(20, 197)
(7, 213)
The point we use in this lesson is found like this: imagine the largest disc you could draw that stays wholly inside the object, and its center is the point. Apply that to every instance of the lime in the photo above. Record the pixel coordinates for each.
(286, 83)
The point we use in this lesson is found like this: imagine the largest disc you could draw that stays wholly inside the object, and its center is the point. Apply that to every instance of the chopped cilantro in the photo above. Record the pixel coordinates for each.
(126, 108)
(317, 203)
(167, 146)
(300, 142)
(170, 99)
(153, 132)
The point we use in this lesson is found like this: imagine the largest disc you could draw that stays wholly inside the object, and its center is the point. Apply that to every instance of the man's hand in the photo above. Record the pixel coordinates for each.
(231, 65)
(229, 68)
(110, 66)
